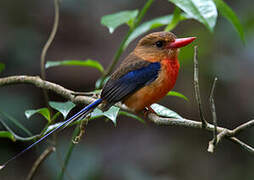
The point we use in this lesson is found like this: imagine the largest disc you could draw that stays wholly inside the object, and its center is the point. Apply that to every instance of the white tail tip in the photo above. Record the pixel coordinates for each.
(1, 167)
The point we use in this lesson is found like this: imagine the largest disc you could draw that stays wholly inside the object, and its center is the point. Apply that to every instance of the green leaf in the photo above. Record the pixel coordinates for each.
(6, 134)
(177, 94)
(132, 116)
(112, 21)
(112, 113)
(229, 14)
(87, 63)
(203, 11)
(97, 113)
(152, 24)
(2, 66)
(176, 19)
(16, 123)
(165, 112)
(63, 107)
(43, 111)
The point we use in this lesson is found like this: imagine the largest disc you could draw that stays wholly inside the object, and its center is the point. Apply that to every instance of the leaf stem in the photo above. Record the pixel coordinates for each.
(69, 153)
(122, 45)
(16, 122)
(17, 137)
(175, 20)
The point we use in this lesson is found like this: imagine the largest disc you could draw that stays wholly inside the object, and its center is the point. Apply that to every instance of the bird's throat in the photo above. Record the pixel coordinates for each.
(170, 69)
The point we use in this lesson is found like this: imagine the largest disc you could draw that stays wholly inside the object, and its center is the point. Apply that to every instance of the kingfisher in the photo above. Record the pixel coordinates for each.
(145, 76)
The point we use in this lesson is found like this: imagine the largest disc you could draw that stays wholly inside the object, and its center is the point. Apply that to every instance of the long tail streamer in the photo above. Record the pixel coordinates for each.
(82, 113)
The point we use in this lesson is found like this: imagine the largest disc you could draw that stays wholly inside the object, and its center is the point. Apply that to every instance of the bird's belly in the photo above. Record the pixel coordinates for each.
(153, 92)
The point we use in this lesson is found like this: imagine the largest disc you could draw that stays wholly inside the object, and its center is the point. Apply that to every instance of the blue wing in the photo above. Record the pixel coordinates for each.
(117, 89)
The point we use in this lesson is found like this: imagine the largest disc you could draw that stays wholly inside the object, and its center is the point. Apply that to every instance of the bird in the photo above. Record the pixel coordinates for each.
(145, 76)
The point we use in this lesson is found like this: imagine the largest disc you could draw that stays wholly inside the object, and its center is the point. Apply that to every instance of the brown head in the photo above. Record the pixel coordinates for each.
(158, 46)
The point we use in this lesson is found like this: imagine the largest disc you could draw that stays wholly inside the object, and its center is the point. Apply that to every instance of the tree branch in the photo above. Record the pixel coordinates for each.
(68, 94)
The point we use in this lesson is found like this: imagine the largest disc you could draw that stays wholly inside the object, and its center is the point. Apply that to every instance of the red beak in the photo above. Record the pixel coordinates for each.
(181, 42)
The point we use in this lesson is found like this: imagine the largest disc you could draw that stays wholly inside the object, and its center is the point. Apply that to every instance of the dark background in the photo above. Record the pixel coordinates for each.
(130, 150)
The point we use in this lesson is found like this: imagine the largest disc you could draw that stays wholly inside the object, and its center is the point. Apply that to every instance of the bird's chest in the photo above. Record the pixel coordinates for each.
(167, 76)
(153, 92)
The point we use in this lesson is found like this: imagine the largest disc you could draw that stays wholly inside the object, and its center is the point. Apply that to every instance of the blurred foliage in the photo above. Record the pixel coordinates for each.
(15, 122)
(86, 63)
(85, 162)
(228, 13)
(2, 67)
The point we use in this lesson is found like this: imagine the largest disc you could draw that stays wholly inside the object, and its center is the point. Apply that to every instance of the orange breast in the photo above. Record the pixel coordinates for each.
(153, 92)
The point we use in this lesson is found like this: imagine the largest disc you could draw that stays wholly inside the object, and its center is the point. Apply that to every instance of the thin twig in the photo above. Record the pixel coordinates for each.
(242, 144)
(68, 94)
(242, 127)
(39, 161)
(47, 45)
(213, 110)
(196, 88)
(217, 138)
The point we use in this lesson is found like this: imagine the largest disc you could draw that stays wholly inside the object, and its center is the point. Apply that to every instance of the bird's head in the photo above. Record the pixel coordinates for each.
(158, 46)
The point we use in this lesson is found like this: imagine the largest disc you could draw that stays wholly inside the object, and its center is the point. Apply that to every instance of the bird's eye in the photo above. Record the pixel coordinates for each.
(159, 44)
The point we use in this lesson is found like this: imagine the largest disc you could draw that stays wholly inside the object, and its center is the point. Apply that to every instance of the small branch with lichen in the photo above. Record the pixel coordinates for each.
(69, 95)
(197, 89)
(216, 137)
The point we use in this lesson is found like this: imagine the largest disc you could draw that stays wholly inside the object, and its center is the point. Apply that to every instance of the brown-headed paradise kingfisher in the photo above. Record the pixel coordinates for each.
(145, 76)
